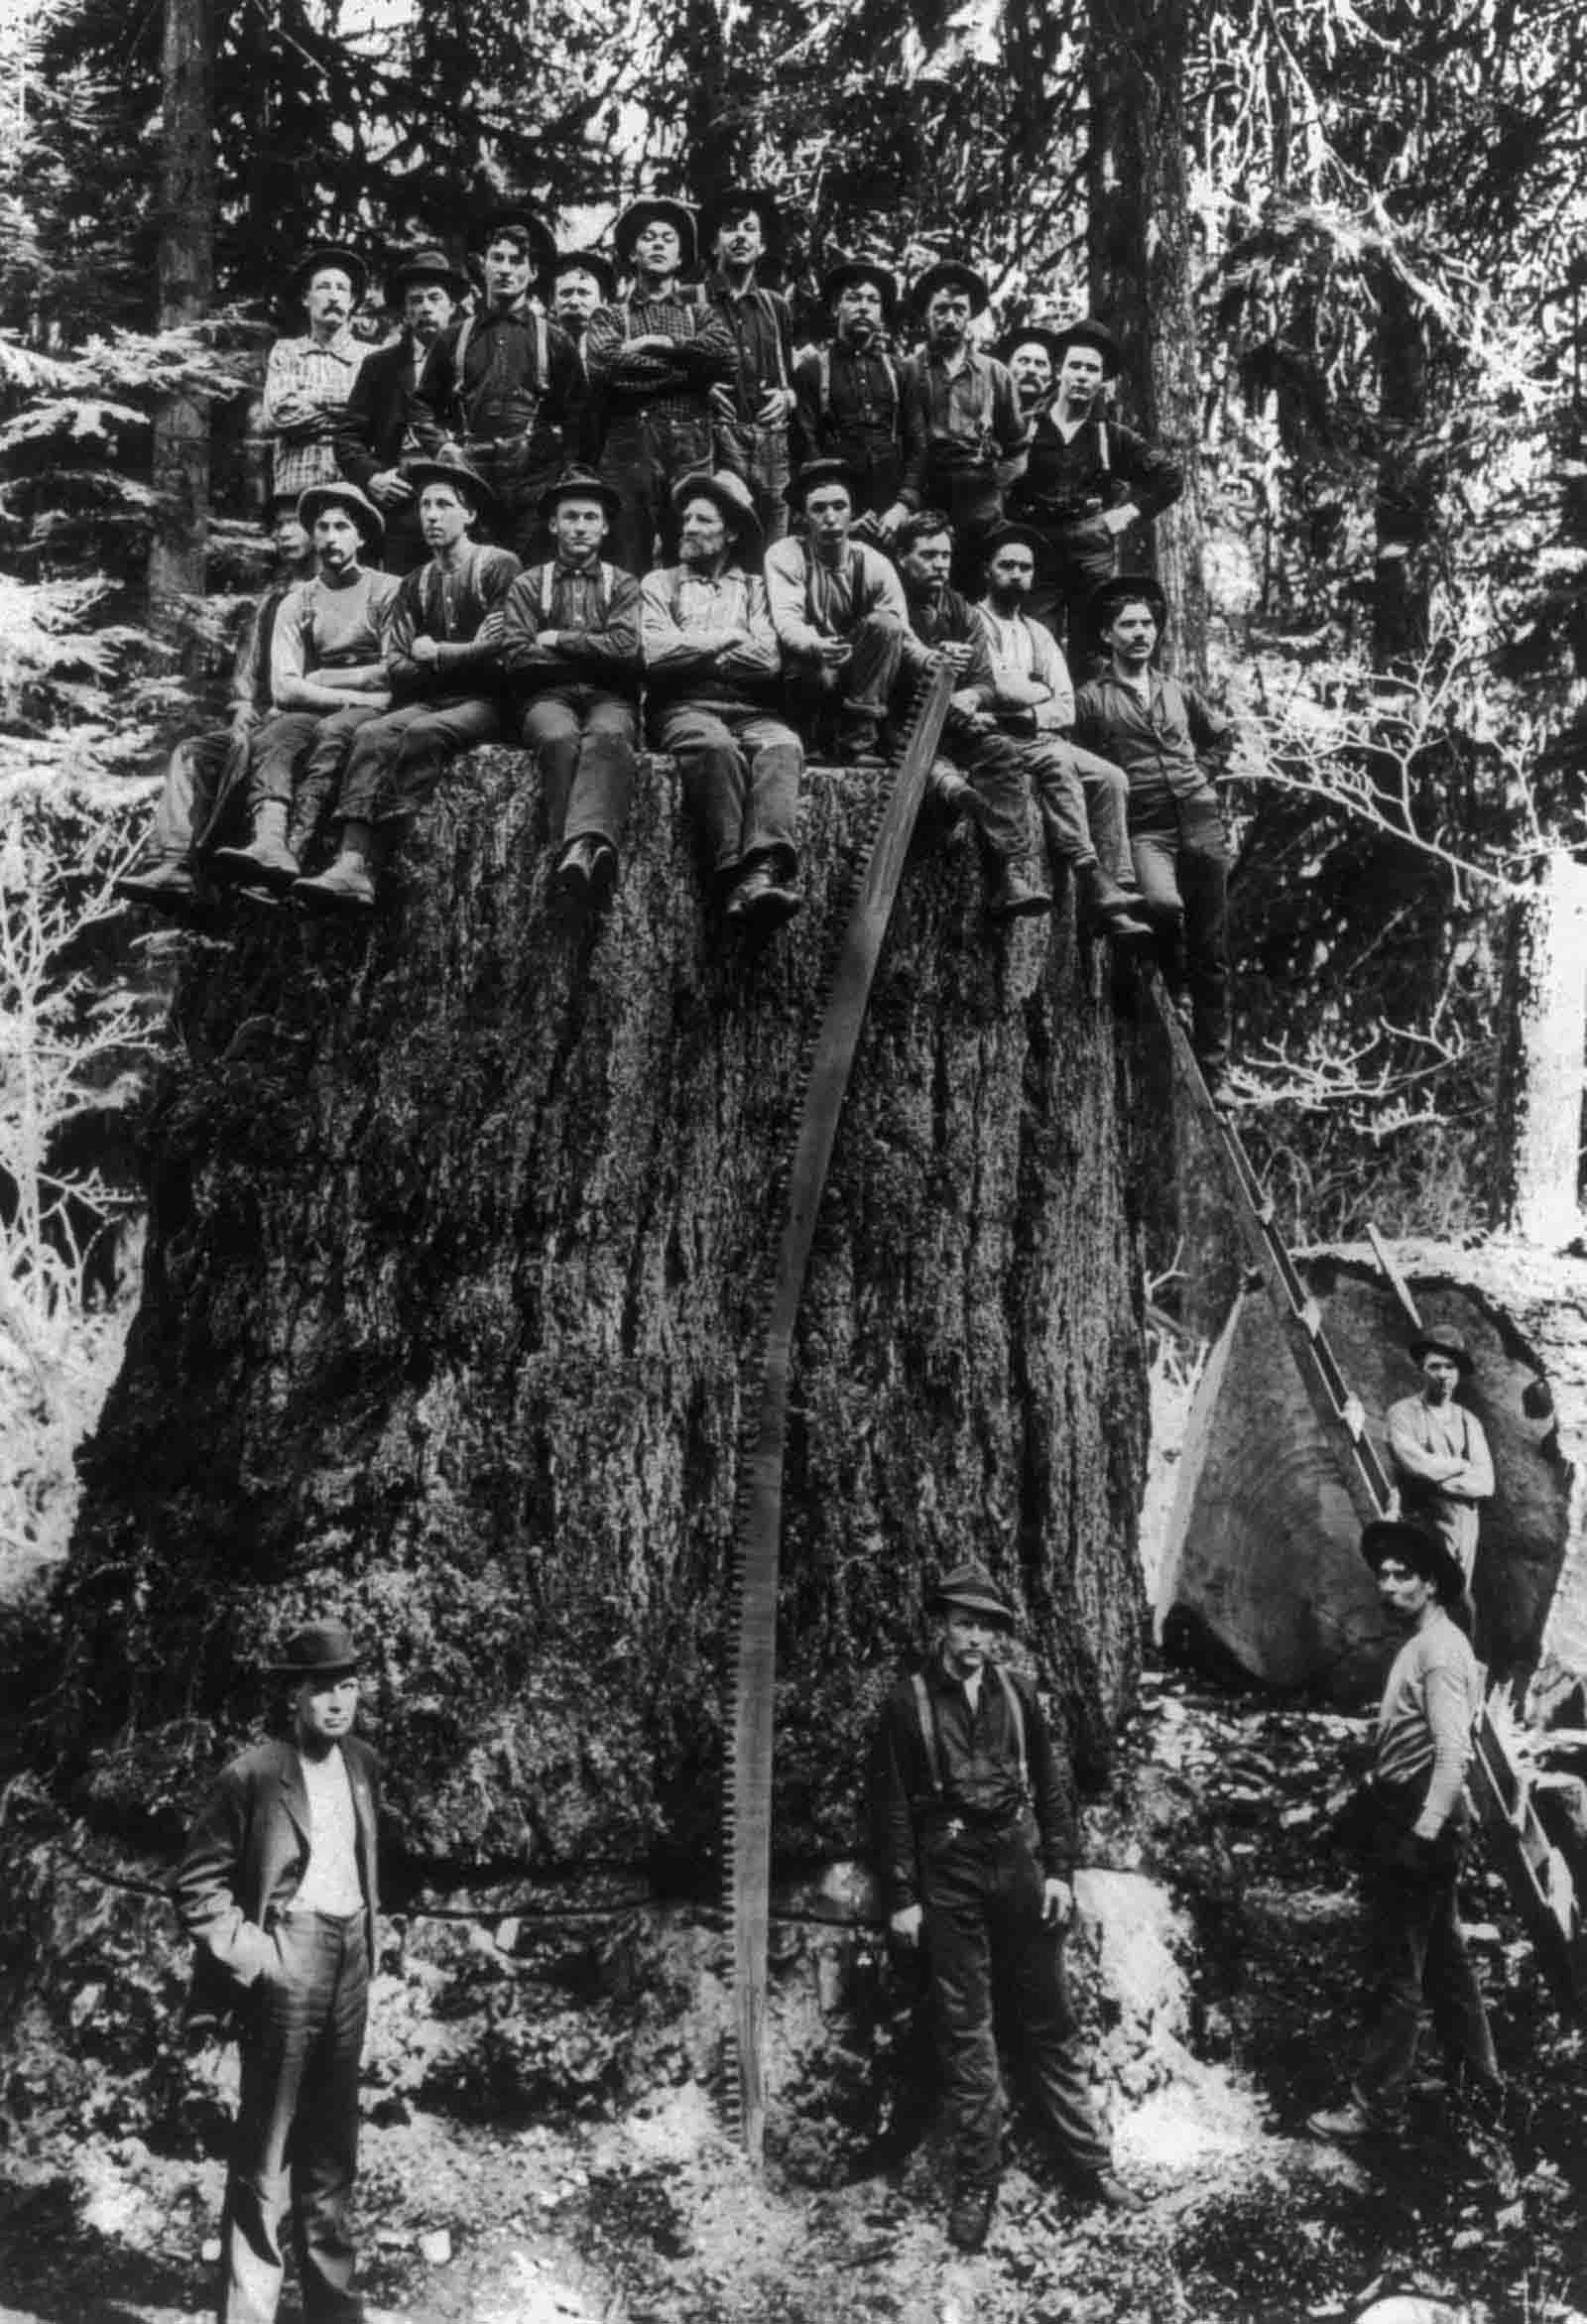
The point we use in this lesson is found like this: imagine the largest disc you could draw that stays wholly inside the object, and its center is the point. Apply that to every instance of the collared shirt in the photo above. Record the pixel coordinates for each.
(521, 377)
(703, 351)
(452, 608)
(763, 338)
(594, 615)
(1100, 465)
(325, 372)
(683, 611)
(812, 600)
(843, 394)
(1020, 647)
(1154, 736)
(968, 416)
(1430, 1704)
(331, 1882)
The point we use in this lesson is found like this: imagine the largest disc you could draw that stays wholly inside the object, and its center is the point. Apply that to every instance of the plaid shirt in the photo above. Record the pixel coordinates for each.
(324, 372)
(675, 385)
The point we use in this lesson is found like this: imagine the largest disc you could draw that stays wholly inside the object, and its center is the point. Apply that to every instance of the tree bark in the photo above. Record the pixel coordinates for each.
(178, 552)
(1403, 500)
(1542, 1040)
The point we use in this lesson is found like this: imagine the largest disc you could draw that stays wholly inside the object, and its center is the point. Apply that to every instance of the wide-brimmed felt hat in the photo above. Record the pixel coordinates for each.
(805, 480)
(736, 502)
(590, 262)
(642, 213)
(1415, 1547)
(312, 502)
(1088, 332)
(331, 254)
(837, 280)
(427, 264)
(1027, 535)
(1442, 1339)
(320, 1649)
(1029, 335)
(579, 484)
(971, 1586)
(732, 204)
(421, 470)
(518, 217)
(1107, 594)
(949, 274)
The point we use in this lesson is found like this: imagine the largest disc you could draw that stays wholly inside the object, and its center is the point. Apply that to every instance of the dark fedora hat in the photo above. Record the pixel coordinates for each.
(320, 1649)
(520, 219)
(838, 279)
(732, 202)
(588, 262)
(467, 481)
(645, 213)
(339, 494)
(824, 471)
(1026, 535)
(737, 504)
(1029, 335)
(1122, 590)
(1415, 1547)
(427, 264)
(1442, 1339)
(949, 274)
(1088, 332)
(326, 253)
(579, 484)
(970, 1585)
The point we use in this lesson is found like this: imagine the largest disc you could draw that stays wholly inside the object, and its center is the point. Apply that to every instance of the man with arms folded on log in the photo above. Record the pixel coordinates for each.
(308, 381)
(570, 657)
(652, 358)
(208, 774)
(1083, 799)
(443, 663)
(712, 661)
(742, 230)
(277, 1889)
(965, 434)
(1442, 1463)
(1411, 1825)
(976, 1809)
(374, 431)
(502, 389)
(850, 402)
(327, 677)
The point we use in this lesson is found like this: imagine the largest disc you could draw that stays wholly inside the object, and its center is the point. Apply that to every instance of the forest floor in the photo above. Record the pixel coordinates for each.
(653, 2219)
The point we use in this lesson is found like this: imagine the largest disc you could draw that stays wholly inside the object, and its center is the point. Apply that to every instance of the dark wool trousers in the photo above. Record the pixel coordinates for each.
(297, 2138)
(585, 738)
(398, 760)
(983, 1925)
(991, 764)
(1416, 1956)
(298, 756)
(1084, 803)
(645, 454)
(827, 706)
(740, 770)
(1181, 864)
(759, 456)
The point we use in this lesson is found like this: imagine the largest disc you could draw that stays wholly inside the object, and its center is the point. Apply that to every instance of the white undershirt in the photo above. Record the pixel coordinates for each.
(331, 1883)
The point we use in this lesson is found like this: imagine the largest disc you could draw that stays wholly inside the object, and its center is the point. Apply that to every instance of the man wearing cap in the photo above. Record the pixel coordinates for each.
(1083, 799)
(327, 677)
(1171, 746)
(654, 357)
(308, 380)
(1414, 1834)
(850, 402)
(1088, 478)
(373, 429)
(965, 434)
(277, 1889)
(582, 281)
(209, 771)
(838, 610)
(1442, 1463)
(570, 656)
(976, 1809)
(501, 388)
(710, 666)
(442, 661)
(751, 411)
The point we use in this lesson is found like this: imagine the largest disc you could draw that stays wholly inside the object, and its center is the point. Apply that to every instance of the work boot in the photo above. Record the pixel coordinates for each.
(760, 901)
(266, 860)
(1017, 896)
(970, 2219)
(167, 886)
(1346, 2126)
(950, 793)
(345, 888)
(587, 868)
(1110, 906)
(859, 740)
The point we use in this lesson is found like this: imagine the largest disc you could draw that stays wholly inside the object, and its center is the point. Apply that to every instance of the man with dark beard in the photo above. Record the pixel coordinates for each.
(850, 395)
(966, 437)
(374, 429)
(742, 229)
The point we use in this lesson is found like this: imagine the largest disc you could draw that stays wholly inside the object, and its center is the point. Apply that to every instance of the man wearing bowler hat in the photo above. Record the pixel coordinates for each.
(277, 1889)
(653, 358)
(1442, 1463)
(1087, 479)
(965, 433)
(374, 431)
(570, 656)
(742, 230)
(1413, 1836)
(308, 380)
(850, 404)
(976, 1808)
(501, 388)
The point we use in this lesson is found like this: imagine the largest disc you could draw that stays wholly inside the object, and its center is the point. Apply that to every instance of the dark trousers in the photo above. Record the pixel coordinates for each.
(518, 469)
(585, 738)
(991, 764)
(1181, 862)
(983, 1923)
(1084, 803)
(645, 454)
(759, 456)
(396, 760)
(1416, 1954)
(876, 463)
(829, 703)
(969, 493)
(297, 2136)
(1078, 558)
(740, 768)
(298, 758)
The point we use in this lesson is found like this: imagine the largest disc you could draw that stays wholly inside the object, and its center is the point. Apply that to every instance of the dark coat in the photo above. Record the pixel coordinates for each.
(372, 436)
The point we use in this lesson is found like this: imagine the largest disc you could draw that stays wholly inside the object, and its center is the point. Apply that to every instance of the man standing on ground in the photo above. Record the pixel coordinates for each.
(1415, 1840)
(1443, 1464)
(374, 431)
(742, 230)
(978, 1850)
(1164, 737)
(308, 381)
(277, 1889)
(712, 661)
(963, 427)
(850, 395)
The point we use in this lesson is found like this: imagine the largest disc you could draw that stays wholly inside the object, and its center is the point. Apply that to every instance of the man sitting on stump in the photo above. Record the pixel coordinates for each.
(978, 1846)
(711, 662)
(1161, 733)
(570, 652)
(443, 661)
(839, 611)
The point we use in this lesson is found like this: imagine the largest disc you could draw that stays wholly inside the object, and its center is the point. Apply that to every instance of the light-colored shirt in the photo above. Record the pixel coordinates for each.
(324, 371)
(1423, 1439)
(685, 612)
(1430, 1704)
(1027, 649)
(812, 600)
(333, 635)
(331, 1883)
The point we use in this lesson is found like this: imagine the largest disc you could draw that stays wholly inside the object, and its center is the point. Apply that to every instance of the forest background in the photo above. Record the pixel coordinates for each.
(1342, 247)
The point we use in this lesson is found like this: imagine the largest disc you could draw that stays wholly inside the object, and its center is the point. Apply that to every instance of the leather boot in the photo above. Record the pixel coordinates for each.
(167, 886)
(1017, 896)
(950, 793)
(760, 901)
(1110, 906)
(346, 886)
(587, 868)
(266, 861)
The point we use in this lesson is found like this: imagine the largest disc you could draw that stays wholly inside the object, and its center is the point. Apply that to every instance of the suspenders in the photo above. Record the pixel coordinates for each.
(543, 358)
(823, 393)
(547, 573)
(934, 1748)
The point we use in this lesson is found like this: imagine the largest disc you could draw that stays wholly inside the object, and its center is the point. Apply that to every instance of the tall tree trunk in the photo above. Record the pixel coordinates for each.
(1139, 248)
(176, 554)
(1403, 500)
(1542, 1037)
